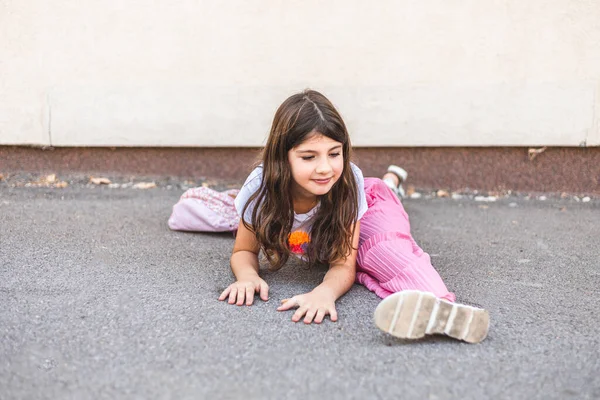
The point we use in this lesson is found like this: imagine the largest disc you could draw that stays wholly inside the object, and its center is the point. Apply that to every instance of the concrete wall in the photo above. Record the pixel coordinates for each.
(212, 73)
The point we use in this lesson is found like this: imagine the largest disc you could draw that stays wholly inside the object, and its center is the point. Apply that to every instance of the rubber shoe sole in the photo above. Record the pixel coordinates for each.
(412, 314)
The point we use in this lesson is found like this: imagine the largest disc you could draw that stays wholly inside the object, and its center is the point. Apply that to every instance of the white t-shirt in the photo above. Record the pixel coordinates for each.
(300, 235)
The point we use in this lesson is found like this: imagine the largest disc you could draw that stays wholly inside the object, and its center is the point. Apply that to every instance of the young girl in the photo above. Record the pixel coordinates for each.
(308, 200)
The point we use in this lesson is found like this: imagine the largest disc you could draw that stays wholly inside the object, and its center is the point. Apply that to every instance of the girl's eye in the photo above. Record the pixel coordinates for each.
(334, 154)
(308, 158)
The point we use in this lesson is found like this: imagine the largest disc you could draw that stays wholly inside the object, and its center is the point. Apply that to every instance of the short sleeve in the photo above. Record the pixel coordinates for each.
(251, 185)
(360, 186)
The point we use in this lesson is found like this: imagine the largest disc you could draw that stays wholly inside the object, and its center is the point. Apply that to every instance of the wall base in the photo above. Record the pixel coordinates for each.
(557, 169)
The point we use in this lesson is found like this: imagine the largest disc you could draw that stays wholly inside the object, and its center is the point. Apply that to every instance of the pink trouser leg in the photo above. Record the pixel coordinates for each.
(389, 260)
(366, 280)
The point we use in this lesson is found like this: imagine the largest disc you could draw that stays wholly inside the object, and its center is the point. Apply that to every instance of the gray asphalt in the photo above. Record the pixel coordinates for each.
(100, 300)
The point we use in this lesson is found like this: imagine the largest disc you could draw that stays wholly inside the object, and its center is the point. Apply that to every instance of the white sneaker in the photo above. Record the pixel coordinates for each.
(402, 175)
(412, 314)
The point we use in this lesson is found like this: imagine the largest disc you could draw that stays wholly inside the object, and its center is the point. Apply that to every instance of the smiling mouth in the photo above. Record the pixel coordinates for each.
(322, 181)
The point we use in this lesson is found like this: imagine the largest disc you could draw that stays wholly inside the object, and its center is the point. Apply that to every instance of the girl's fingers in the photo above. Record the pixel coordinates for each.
(310, 315)
(241, 293)
(333, 314)
(225, 293)
(320, 315)
(232, 295)
(249, 295)
(287, 304)
(263, 289)
(238, 293)
(299, 314)
(307, 311)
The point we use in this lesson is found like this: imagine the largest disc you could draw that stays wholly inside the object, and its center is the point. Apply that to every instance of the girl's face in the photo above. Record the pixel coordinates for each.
(316, 164)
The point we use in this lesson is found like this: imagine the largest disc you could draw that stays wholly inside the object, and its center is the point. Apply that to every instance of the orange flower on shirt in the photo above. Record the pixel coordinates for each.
(298, 242)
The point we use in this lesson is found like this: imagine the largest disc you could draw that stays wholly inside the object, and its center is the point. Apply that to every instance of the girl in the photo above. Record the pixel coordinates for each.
(307, 199)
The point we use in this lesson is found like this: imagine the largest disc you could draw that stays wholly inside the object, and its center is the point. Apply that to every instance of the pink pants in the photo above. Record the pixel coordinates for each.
(389, 260)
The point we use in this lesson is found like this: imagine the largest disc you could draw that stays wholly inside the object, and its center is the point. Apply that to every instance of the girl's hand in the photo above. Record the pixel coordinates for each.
(314, 305)
(243, 291)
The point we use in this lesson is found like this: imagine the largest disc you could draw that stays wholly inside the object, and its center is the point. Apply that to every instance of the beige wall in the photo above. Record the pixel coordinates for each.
(212, 73)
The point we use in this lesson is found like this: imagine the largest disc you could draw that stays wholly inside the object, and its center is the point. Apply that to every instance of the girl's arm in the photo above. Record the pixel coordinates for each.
(321, 300)
(244, 260)
(244, 265)
(342, 273)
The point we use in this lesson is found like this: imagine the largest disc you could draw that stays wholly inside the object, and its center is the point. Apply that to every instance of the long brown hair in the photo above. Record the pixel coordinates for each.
(297, 119)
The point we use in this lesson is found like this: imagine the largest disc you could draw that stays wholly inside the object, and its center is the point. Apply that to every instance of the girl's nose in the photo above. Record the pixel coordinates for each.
(323, 167)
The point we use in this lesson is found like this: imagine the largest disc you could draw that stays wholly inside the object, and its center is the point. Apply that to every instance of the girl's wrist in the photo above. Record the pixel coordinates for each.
(325, 290)
(246, 275)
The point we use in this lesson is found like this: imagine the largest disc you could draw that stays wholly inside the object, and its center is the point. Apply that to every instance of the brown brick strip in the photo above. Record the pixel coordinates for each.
(557, 169)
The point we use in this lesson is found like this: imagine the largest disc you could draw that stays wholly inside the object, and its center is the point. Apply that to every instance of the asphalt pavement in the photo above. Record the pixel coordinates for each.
(100, 300)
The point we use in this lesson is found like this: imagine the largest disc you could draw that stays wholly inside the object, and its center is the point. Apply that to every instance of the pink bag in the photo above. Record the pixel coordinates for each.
(203, 209)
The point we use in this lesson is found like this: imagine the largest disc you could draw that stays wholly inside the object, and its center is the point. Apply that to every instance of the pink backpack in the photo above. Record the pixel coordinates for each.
(203, 209)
